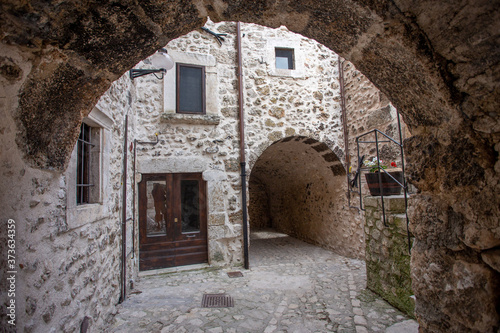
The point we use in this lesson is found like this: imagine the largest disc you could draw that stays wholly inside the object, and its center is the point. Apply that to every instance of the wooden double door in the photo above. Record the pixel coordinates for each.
(172, 220)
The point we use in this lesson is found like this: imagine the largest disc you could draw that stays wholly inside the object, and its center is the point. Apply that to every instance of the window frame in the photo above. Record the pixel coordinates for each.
(83, 165)
(300, 60)
(88, 182)
(80, 215)
(178, 84)
(292, 58)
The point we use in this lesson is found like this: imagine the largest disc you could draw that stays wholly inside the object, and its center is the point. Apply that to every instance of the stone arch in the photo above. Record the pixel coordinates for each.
(297, 186)
(437, 62)
(256, 152)
(85, 57)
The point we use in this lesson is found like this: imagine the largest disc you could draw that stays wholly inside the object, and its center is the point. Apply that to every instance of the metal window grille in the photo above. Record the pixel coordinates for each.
(83, 166)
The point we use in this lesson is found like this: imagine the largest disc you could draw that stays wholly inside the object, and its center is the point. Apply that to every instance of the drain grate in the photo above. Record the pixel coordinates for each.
(234, 274)
(217, 301)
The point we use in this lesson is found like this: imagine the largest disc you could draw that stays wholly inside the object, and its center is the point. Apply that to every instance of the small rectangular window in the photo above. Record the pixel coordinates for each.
(284, 58)
(88, 165)
(190, 89)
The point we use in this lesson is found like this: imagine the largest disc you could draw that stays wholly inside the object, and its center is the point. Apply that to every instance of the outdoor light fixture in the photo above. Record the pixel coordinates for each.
(160, 60)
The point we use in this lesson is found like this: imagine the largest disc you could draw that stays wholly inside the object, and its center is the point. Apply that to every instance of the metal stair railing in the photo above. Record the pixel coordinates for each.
(357, 178)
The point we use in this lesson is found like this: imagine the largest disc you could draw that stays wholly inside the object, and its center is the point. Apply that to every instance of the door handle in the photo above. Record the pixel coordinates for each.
(176, 220)
(190, 236)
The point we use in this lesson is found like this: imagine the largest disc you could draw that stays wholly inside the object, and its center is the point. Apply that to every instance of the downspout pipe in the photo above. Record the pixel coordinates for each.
(133, 198)
(344, 123)
(242, 152)
(123, 290)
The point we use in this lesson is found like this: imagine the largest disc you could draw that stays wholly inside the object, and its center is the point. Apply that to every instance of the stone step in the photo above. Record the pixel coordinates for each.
(399, 222)
(394, 204)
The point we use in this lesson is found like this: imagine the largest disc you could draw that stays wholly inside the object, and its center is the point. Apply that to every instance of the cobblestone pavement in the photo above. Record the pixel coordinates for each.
(291, 287)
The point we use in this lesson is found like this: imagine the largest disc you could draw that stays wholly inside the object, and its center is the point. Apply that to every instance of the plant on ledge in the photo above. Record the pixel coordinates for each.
(374, 166)
(379, 183)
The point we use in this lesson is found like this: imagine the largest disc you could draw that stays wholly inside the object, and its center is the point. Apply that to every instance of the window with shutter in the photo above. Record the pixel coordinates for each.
(190, 89)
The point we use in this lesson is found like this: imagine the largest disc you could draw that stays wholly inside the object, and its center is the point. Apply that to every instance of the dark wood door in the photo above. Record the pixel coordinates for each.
(172, 220)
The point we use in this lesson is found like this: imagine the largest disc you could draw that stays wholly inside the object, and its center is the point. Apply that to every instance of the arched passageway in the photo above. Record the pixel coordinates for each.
(297, 186)
(437, 62)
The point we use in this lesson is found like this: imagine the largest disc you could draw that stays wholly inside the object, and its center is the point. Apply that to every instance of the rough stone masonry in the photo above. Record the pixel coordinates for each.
(436, 62)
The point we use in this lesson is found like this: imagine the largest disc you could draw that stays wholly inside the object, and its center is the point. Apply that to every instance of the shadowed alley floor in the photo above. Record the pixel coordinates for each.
(291, 286)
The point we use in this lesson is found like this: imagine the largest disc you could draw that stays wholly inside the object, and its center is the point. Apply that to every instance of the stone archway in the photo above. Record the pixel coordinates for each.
(437, 62)
(297, 186)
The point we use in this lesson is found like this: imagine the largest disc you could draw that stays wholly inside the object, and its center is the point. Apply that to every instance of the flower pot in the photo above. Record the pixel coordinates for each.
(389, 186)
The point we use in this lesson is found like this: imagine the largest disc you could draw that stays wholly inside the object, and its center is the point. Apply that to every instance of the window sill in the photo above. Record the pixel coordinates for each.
(291, 73)
(191, 119)
(80, 215)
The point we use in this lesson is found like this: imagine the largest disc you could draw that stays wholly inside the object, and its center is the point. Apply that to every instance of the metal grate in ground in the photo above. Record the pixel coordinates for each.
(235, 274)
(217, 301)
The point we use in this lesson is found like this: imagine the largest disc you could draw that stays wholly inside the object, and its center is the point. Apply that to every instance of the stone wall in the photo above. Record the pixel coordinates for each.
(61, 249)
(303, 104)
(387, 252)
(208, 143)
(282, 103)
(258, 205)
(436, 61)
(278, 103)
(303, 199)
(81, 240)
(367, 108)
(304, 194)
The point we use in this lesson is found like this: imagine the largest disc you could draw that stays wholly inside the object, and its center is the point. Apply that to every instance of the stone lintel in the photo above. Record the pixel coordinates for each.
(172, 165)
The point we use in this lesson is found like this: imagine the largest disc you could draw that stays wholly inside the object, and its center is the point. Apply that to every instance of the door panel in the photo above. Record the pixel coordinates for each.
(190, 207)
(156, 208)
(172, 220)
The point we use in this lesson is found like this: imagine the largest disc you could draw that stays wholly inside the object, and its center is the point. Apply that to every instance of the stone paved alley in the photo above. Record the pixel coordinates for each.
(291, 286)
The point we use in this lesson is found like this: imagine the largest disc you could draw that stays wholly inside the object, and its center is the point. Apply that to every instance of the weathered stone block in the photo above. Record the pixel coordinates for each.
(205, 119)
(48, 313)
(456, 286)
(277, 112)
(263, 90)
(371, 202)
(232, 165)
(395, 204)
(289, 131)
(492, 258)
(216, 219)
(401, 223)
(270, 123)
(236, 217)
(275, 136)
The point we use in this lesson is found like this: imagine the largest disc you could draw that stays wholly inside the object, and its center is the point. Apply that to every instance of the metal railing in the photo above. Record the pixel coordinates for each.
(356, 181)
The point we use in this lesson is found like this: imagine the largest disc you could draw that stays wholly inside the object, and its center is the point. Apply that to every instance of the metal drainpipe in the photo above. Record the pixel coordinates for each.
(344, 122)
(123, 293)
(242, 153)
(133, 199)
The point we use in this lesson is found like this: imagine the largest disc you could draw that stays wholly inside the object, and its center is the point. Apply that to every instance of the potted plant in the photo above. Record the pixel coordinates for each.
(378, 180)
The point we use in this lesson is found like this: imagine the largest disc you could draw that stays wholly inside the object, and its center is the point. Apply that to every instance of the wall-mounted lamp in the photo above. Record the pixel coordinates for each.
(160, 60)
